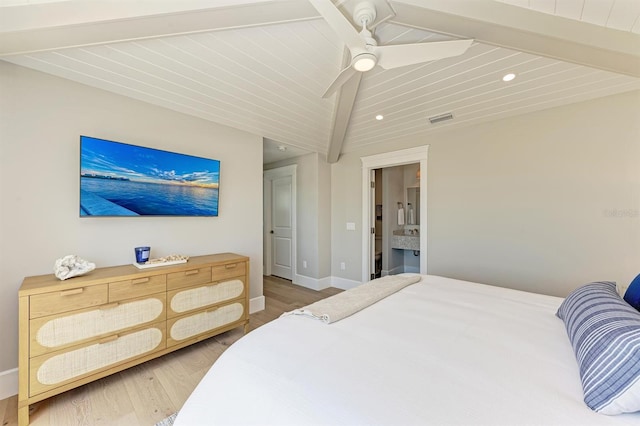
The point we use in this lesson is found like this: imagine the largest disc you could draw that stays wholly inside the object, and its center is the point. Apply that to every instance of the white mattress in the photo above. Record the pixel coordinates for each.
(441, 351)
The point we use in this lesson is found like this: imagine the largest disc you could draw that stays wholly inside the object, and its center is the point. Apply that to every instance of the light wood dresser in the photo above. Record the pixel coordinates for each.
(79, 330)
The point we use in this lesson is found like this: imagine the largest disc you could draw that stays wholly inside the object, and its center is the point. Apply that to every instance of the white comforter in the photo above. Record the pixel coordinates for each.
(438, 352)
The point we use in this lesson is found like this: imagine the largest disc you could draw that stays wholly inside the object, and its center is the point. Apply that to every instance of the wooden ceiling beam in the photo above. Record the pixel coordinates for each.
(523, 30)
(50, 35)
(346, 98)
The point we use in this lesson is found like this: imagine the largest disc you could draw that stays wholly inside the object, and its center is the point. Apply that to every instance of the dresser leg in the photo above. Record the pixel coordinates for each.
(23, 415)
(246, 328)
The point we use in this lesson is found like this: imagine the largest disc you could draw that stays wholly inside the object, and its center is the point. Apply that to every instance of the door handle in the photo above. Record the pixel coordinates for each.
(271, 232)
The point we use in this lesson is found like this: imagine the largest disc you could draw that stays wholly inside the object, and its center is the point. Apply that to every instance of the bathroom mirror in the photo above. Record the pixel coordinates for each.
(413, 198)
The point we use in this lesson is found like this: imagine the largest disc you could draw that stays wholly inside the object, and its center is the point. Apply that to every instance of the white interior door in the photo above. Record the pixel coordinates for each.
(281, 227)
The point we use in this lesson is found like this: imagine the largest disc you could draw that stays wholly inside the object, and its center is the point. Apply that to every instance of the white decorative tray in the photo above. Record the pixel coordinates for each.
(155, 264)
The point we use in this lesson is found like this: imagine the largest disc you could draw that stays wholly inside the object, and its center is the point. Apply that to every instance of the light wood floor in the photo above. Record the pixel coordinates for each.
(147, 393)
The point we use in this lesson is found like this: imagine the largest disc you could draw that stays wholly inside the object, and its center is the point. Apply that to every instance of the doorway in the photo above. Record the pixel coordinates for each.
(397, 221)
(280, 222)
(369, 164)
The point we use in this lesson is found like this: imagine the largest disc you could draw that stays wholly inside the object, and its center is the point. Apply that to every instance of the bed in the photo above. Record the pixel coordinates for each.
(440, 351)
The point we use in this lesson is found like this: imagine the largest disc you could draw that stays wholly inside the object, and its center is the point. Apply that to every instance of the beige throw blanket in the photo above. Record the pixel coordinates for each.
(349, 302)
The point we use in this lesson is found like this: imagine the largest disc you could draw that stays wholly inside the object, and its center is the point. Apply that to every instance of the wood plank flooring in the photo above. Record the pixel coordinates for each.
(147, 393)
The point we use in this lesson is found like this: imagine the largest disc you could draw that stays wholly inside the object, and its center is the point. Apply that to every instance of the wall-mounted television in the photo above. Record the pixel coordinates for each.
(118, 179)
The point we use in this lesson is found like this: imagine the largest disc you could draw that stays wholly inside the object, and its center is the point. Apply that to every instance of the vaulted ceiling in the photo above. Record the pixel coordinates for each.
(262, 66)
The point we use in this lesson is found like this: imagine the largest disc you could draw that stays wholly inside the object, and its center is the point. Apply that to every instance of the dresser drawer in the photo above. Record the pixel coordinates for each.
(189, 299)
(142, 286)
(203, 322)
(221, 272)
(188, 278)
(56, 369)
(56, 332)
(41, 305)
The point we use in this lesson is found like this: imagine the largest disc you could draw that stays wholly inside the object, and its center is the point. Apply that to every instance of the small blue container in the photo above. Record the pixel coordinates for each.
(142, 254)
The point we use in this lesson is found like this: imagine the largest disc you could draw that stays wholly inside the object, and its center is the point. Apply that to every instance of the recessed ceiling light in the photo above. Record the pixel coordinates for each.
(379, 117)
(509, 77)
(282, 148)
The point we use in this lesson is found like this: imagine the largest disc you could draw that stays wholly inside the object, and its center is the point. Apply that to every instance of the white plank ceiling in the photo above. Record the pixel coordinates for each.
(622, 15)
(268, 79)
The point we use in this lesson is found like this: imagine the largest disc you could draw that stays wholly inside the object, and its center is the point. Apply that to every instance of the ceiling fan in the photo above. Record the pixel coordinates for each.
(365, 52)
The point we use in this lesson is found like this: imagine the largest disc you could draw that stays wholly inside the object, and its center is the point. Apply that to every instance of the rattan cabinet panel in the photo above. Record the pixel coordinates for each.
(197, 297)
(56, 332)
(52, 370)
(203, 322)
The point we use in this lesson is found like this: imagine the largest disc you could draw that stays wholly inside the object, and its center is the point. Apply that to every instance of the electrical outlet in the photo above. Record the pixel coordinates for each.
(343, 266)
(304, 264)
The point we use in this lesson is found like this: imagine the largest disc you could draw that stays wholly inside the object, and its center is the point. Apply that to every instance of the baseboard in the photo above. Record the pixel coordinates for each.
(256, 304)
(8, 383)
(312, 283)
(397, 270)
(343, 283)
(322, 283)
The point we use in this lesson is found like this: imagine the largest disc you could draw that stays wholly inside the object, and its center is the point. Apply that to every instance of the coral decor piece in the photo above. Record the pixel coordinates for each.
(72, 266)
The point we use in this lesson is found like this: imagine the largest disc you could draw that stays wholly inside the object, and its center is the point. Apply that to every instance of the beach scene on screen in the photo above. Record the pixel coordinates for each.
(118, 179)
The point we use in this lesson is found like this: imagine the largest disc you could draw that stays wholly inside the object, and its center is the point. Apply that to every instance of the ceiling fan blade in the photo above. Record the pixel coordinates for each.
(396, 56)
(339, 24)
(344, 76)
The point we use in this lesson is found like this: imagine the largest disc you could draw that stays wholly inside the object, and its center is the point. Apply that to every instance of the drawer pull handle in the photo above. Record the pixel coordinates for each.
(108, 339)
(72, 291)
(109, 306)
(231, 265)
(140, 281)
(192, 272)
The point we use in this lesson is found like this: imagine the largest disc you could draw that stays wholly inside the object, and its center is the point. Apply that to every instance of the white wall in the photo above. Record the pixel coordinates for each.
(541, 202)
(307, 220)
(41, 119)
(324, 217)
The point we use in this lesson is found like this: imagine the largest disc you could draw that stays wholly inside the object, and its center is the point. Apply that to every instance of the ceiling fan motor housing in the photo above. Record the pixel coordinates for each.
(364, 13)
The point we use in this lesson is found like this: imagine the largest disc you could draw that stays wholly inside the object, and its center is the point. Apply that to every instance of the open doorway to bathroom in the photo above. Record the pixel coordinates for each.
(397, 220)
(400, 191)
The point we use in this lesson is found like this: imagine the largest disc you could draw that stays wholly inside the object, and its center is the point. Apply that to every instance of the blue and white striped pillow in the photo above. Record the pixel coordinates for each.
(604, 331)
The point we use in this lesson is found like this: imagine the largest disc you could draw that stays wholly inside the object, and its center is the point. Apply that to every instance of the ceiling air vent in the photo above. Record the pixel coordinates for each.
(439, 118)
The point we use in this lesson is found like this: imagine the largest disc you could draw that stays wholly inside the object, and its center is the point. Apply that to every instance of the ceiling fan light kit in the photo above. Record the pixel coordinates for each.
(364, 62)
(366, 54)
